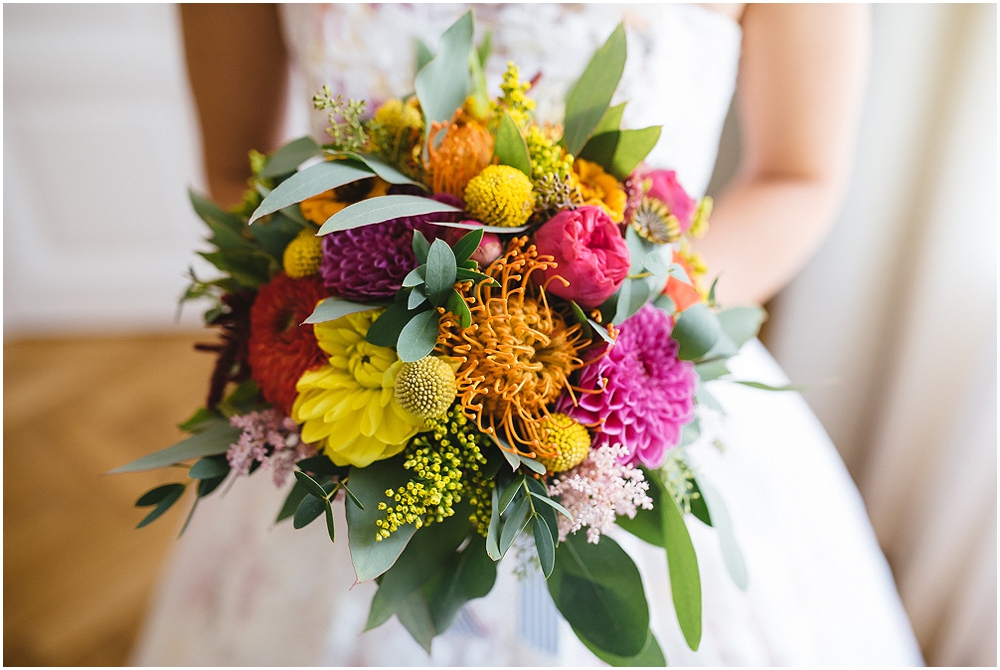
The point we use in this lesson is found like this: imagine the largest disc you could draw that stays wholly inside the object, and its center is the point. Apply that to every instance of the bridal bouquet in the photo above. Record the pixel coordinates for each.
(489, 335)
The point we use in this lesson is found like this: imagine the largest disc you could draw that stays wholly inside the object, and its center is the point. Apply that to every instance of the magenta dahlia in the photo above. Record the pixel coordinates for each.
(645, 393)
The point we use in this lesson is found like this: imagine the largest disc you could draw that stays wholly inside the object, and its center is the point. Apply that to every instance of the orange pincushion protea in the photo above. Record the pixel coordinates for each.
(518, 354)
(465, 150)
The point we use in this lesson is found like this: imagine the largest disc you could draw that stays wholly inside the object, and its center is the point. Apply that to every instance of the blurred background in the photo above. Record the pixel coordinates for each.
(892, 326)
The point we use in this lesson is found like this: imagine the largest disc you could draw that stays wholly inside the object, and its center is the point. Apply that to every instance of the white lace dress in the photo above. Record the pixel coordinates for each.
(241, 590)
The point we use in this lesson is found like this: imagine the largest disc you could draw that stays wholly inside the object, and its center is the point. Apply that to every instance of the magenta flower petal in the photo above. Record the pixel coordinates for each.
(649, 395)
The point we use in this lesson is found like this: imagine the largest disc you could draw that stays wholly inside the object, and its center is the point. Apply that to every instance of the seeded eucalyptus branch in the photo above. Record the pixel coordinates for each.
(345, 127)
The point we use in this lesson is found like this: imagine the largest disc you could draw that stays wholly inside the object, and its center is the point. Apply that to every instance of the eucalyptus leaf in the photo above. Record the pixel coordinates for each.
(418, 337)
(588, 99)
(332, 309)
(295, 496)
(741, 323)
(544, 545)
(353, 498)
(665, 303)
(532, 464)
(696, 331)
(414, 613)
(206, 486)
(516, 522)
(384, 208)
(464, 274)
(682, 563)
(209, 467)
(418, 563)
(321, 465)
(612, 120)
(415, 277)
(415, 299)
(383, 170)
(372, 558)
(165, 503)
(601, 331)
(493, 530)
(420, 246)
(655, 262)
(211, 213)
(424, 53)
(215, 439)
(310, 182)
(768, 387)
(311, 486)
(467, 245)
(509, 493)
(553, 504)
(308, 511)
(470, 574)
(731, 554)
(330, 529)
(711, 370)
(443, 83)
(289, 157)
(386, 329)
(598, 590)
(619, 152)
(501, 230)
(699, 508)
(651, 655)
(509, 147)
(456, 305)
(155, 496)
(440, 273)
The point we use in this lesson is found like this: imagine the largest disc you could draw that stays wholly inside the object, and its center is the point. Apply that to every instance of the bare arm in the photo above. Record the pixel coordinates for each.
(800, 90)
(238, 70)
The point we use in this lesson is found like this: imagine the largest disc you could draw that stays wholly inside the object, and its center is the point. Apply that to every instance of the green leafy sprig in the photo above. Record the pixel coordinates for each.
(346, 129)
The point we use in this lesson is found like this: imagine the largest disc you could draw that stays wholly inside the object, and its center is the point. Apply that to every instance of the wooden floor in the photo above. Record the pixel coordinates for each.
(77, 576)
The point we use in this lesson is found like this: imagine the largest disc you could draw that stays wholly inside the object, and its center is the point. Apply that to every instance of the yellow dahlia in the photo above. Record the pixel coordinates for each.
(348, 407)
(303, 254)
(500, 195)
(600, 189)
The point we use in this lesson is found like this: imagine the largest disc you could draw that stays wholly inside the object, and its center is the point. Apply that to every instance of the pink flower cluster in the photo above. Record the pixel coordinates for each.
(270, 438)
(599, 490)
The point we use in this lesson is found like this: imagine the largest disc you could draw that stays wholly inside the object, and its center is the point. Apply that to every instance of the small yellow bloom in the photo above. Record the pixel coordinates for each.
(600, 189)
(426, 388)
(500, 195)
(567, 439)
(303, 255)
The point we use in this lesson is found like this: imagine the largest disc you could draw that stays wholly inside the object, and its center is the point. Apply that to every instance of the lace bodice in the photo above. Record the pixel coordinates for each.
(680, 73)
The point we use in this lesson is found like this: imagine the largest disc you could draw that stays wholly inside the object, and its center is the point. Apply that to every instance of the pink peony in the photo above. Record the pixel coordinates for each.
(646, 395)
(665, 188)
(591, 254)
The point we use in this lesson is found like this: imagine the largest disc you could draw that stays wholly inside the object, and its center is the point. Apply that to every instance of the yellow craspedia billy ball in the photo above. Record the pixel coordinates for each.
(500, 195)
(303, 255)
(569, 441)
(426, 388)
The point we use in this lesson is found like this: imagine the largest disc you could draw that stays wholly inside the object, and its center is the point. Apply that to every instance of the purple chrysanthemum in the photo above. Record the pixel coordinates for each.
(370, 262)
(646, 393)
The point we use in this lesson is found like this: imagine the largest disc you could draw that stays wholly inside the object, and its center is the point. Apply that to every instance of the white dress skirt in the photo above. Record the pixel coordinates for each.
(241, 590)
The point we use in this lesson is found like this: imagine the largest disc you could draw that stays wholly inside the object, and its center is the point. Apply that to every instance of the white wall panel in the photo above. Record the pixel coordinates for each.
(100, 146)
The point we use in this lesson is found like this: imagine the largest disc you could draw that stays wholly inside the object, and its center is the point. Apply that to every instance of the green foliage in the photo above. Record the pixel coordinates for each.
(295, 497)
(383, 170)
(619, 152)
(466, 575)
(731, 554)
(696, 331)
(651, 655)
(418, 336)
(209, 467)
(682, 563)
(443, 83)
(598, 590)
(588, 99)
(509, 147)
(385, 208)
(214, 439)
(370, 556)
(331, 309)
(308, 511)
(288, 158)
(611, 121)
(345, 129)
(310, 182)
(163, 498)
